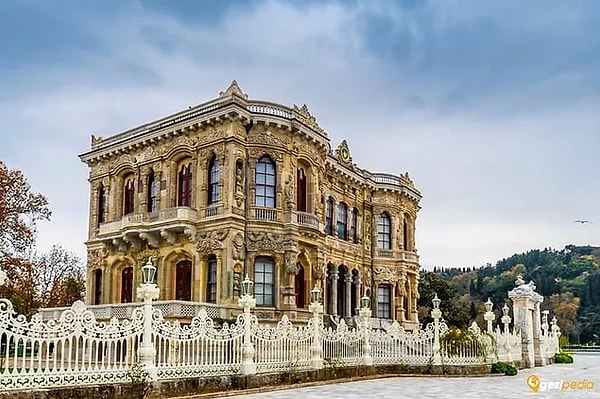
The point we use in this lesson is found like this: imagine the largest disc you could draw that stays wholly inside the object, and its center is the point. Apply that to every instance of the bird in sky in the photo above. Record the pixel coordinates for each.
(581, 221)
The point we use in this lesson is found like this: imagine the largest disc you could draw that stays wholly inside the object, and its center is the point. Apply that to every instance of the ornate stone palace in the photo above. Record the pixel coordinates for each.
(237, 186)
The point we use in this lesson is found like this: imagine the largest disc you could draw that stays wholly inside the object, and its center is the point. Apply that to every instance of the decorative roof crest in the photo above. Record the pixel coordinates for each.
(233, 90)
(342, 153)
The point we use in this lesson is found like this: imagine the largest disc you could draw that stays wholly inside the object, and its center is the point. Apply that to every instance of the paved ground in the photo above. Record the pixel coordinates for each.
(586, 367)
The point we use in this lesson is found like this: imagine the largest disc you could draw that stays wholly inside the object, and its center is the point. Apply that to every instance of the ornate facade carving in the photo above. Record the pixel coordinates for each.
(237, 247)
(264, 241)
(210, 240)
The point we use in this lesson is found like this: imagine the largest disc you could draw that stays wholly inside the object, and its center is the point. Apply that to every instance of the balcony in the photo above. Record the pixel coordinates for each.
(146, 220)
(385, 253)
(267, 214)
(306, 219)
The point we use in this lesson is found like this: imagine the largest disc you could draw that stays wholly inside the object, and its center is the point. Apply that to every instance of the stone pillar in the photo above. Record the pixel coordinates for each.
(525, 300)
(540, 355)
(392, 301)
(414, 295)
(334, 278)
(348, 281)
(357, 292)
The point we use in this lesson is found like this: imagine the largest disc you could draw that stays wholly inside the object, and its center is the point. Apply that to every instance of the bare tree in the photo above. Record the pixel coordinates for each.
(58, 278)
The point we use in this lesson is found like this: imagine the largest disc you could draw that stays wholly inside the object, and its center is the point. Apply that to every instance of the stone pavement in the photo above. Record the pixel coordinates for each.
(586, 367)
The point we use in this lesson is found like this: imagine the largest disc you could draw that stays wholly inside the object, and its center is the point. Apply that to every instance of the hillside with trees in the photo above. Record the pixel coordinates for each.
(569, 280)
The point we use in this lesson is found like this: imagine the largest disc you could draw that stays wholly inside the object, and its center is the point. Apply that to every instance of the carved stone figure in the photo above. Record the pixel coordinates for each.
(237, 248)
(291, 262)
(210, 240)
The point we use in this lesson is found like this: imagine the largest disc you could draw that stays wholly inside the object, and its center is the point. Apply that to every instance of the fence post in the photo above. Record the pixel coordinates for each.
(365, 314)
(489, 315)
(148, 291)
(506, 335)
(555, 331)
(247, 301)
(436, 313)
(316, 349)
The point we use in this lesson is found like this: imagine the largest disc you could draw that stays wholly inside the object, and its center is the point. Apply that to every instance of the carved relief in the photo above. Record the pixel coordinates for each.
(290, 197)
(211, 240)
(237, 248)
(259, 240)
(290, 261)
(95, 258)
(256, 153)
(265, 138)
(383, 273)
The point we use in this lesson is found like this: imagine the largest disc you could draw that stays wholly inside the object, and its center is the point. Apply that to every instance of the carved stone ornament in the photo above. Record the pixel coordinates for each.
(95, 258)
(233, 90)
(342, 153)
(237, 248)
(303, 115)
(150, 154)
(259, 240)
(265, 138)
(384, 274)
(209, 241)
(291, 262)
(290, 200)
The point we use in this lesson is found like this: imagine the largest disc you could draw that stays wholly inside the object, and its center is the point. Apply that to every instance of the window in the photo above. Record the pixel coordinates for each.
(101, 204)
(405, 235)
(384, 232)
(183, 280)
(353, 221)
(265, 183)
(152, 199)
(128, 196)
(341, 221)
(127, 285)
(97, 287)
(301, 190)
(211, 280)
(384, 301)
(300, 287)
(329, 216)
(214, 176)
(185, 186)
(264, 285)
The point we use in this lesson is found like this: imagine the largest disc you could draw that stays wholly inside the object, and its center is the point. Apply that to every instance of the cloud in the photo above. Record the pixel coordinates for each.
(489, 106)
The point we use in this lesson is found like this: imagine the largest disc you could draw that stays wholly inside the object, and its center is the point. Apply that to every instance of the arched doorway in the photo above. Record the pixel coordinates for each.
(329, 282)
(300, 287)
(127, 285)
(354, 293)
(183, 280)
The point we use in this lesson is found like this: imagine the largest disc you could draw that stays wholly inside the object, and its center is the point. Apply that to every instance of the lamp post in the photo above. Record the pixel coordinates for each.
(247, 302)
(505, 318)
(316, 308)
(489, 316)
(147, 292)
(545, 325)
(436, 313)
(365, 314)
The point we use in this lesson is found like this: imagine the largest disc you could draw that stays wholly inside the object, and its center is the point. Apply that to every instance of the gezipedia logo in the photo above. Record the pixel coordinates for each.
(537, 385)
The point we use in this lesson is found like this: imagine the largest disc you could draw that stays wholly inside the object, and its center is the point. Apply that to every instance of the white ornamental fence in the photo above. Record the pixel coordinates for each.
(75, 349)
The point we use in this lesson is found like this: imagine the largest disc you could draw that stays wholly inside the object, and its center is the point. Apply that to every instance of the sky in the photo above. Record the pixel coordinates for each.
(492, 107)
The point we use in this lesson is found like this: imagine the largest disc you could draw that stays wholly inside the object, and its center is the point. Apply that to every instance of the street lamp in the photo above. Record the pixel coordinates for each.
(316, 308)
(365, 302)
(488, 305)
(365, 314)
(489, 316)
(247, 287)
(247, 302)
(148, 272)
(315, 295)
(436, 301)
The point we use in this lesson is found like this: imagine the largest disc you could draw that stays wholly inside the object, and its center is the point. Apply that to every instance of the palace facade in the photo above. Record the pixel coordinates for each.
(236, 186)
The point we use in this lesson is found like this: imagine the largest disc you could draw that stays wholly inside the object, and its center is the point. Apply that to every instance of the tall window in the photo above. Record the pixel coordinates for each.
(341, 221)
(183, 280)
(264, 284)
(97, 286)
(300, 287)
(128, 196)
(384, 301)
(127, 285)
(211, 280)
(301, 189)
(185, 186)
(353, 221)
(265, 182)
(152, 199)
(329, 216)
(384, 232)
(101, 204)
(214, 176)
(405, 234)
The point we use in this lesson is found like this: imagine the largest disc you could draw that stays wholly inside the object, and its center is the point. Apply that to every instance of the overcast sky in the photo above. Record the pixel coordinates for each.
(493, 107)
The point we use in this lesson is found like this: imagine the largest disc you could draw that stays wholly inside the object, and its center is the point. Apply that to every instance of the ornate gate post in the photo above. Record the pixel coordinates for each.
(148, 292)
(365, 315)
(436, 313)
(525, 309)
(247, 301)
(316, 349)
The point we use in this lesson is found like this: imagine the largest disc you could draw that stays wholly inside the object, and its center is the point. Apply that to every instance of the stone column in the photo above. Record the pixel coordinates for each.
(357, 292)
(540, 355)
(414, 294)
(334, 279)
(348, 281)
(392, 301)
(524, 300)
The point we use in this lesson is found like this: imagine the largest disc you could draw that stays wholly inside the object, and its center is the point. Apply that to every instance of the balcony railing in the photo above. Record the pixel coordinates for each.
(385, 253)
(308, 220)
(212, 211)
(160, 217)
(269, 214)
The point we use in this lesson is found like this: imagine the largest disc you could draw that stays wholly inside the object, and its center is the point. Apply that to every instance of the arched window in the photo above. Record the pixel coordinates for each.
(265, 182)
(128, 196)
(184, 197)
(97, 286)
(384, 301)
(353, 222)
(405, 235)
(341, 221)
(101, 204)
(214, 177)
(264, 282)
(300, 287)
(329, 216)
(127, 285)
(211, 279)
(152, 205)
(301, 189)
(183, 280)
(384, 229)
